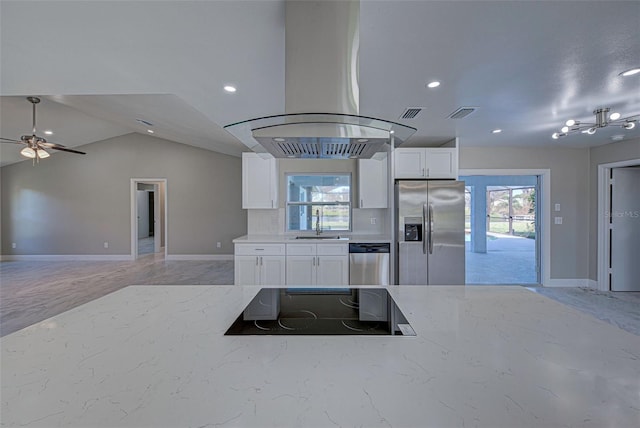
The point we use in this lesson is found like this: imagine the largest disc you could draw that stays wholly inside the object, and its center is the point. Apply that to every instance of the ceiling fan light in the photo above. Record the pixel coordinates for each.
(28, 152)
(591, 131)
(42, 153)
(629, 125)
(614, 116)
(630, 72)
(555, 136)
(570, 122)
(564, 129)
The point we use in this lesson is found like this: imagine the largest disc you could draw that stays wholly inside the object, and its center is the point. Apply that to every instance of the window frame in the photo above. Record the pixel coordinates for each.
(297, 203)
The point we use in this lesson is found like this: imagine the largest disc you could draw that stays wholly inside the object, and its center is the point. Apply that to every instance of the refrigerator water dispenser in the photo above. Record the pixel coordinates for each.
(413, 232)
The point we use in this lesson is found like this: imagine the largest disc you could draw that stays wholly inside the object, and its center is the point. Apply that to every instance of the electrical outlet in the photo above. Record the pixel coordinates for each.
(218, 245)
(13, 245)
(106, 244)
(373, 220)
(558, 220)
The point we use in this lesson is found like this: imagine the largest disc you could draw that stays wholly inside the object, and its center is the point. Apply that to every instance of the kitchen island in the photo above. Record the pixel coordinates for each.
(157, 356)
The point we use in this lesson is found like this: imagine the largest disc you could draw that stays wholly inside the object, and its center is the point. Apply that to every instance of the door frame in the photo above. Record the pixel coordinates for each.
(604, 196)
(159, 183)
(543, 207)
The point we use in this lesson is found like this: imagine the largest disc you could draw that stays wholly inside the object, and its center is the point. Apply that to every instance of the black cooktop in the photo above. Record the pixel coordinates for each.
(322, 311)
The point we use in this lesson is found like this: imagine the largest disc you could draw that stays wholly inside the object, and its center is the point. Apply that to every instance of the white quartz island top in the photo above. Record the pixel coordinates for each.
(156, 356)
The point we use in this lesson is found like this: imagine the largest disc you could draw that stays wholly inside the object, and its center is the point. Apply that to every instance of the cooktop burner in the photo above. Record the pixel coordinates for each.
(322, 311)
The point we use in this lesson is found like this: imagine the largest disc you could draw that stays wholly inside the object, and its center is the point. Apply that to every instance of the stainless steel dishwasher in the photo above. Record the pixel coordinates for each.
(369, 264)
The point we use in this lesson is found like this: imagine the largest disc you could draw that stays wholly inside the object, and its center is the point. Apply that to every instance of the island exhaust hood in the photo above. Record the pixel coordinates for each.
(321, 117)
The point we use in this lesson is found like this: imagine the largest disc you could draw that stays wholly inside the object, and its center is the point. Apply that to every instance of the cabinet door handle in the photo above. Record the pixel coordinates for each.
(256, 261)
(361, 203)
(318, 261)
(423, 172)
(313, 261)
(428, 172)
(260, 260)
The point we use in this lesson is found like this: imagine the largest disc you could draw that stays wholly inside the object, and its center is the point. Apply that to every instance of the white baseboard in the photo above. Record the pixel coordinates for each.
(65, 257)
(215, 257)
(571, 282)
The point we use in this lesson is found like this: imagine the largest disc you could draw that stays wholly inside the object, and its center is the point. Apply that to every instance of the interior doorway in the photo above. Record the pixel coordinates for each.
(148, 216)
(502, 229)
(619, 226)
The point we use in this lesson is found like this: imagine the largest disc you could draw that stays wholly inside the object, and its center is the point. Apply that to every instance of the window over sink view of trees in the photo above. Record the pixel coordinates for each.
(319, 197)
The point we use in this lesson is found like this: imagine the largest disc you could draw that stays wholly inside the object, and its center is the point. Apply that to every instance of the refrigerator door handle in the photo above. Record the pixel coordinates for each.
(430, 229)
(425, 220)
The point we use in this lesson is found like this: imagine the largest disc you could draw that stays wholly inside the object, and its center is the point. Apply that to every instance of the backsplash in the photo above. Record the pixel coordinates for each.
(272, 222)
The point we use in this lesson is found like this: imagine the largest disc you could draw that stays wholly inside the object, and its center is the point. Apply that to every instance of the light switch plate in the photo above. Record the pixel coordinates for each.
(557, 208)
(558, 220)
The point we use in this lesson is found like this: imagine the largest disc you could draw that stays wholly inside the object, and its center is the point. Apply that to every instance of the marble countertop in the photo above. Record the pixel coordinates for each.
(156, 356)
(285, 239)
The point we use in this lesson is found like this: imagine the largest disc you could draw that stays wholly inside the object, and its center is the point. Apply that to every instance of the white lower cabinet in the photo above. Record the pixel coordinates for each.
(259, 264)
(317, 264)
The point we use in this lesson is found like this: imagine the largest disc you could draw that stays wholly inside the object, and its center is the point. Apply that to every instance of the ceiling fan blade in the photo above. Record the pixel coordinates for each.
(8, 140)
(63, 148)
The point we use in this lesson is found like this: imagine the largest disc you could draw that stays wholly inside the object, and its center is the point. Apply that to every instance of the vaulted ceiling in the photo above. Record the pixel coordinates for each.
(527, 66)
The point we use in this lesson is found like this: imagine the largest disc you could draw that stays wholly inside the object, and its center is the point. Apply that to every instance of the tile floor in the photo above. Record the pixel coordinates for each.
(508, 260)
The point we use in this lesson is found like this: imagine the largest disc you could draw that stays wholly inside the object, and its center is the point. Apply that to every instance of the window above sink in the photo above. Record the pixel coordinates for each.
(318, 201)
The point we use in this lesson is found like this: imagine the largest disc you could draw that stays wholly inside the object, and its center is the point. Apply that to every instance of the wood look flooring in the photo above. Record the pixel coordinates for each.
(32, 291)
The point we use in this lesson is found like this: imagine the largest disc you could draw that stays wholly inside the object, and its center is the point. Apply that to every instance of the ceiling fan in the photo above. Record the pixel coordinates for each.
(35, 145)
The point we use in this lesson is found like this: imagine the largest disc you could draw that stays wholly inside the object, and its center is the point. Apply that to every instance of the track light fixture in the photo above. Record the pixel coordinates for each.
(603, 119)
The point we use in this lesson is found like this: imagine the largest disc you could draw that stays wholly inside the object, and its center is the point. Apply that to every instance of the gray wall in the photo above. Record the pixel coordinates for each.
(615, 152)
(70, 204)
(569, 185)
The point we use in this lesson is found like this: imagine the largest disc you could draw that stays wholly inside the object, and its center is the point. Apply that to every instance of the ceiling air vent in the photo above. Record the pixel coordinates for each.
(462, 112)
(411, 112)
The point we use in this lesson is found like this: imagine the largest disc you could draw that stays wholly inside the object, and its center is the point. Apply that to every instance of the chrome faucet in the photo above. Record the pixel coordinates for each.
(318, 228)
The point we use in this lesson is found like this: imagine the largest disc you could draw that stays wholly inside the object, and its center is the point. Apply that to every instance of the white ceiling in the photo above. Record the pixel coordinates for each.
(528, 66)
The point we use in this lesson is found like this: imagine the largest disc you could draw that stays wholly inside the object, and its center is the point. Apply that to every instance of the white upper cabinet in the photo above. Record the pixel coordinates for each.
(372, 183)
(259, 182)
(426, 162)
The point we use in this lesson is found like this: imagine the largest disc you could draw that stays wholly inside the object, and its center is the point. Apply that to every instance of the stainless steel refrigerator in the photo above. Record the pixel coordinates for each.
(429, 232)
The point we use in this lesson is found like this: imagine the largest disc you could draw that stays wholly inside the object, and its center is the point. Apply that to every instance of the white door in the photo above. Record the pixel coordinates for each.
(625, 229)
(143, 214)
(409, 163)
(332, 270)
(301, 270)
(439, 163)
(272, 270)
(246, 270)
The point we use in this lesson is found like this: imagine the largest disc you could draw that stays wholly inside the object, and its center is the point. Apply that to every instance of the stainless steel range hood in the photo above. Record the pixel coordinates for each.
(321, 117)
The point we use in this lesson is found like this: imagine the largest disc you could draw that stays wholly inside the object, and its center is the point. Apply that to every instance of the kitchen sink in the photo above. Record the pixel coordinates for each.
(317, 237)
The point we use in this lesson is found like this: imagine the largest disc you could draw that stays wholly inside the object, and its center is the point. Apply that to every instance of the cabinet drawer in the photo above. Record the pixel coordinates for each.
(259, 249)
(333, 249)
(301, 249)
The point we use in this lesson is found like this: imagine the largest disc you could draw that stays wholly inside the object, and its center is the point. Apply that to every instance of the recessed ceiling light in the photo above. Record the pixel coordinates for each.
(496, 131)
(150, 131)
(433, 84)
(230, 88)
(630, 72)
(279, 140)
(362, 140)
(47, 132)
